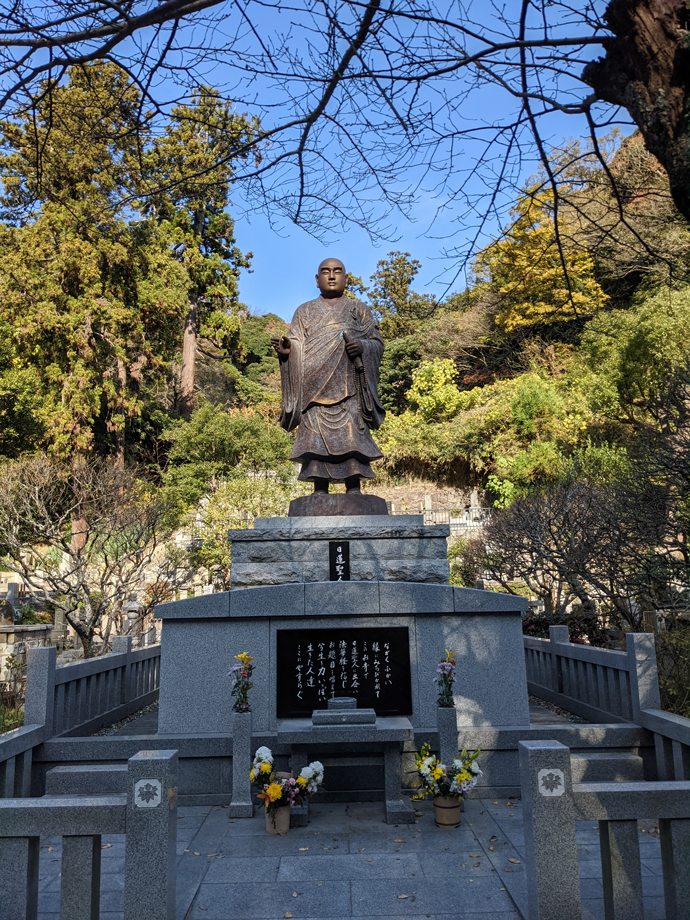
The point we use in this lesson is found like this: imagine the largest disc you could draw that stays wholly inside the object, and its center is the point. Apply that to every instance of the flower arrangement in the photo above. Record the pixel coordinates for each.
(276, 792)
(241, 681)
(456, 779)
(446, 679)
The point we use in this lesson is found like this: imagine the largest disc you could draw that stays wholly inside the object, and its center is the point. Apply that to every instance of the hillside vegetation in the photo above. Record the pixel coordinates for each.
(558, 379)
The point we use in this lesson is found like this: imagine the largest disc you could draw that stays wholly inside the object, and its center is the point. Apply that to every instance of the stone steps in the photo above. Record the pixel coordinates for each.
(618, 766)
(87, 779)
(607, 767)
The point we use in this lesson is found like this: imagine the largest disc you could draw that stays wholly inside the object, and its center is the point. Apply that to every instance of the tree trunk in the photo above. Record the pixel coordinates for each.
(186, 403)
(86, 644)
(79, 523)
(120, 429)
(647, 71)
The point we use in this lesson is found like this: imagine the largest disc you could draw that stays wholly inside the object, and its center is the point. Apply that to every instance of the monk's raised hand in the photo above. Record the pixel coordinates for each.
(282, 346)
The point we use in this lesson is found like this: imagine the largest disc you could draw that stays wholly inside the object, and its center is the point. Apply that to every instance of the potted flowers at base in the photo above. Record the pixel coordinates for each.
(446, 784)
(279, 791)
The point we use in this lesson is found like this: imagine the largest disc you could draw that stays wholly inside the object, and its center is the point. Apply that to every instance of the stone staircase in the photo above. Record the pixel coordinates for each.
(614, 766)
(87, 779)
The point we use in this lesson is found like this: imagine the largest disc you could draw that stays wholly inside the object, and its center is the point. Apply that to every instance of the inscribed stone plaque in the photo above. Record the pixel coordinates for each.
(370, 664)
(339, 557)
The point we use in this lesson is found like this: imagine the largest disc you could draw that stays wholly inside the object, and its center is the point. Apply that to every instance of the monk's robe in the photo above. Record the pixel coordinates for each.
(333, 403)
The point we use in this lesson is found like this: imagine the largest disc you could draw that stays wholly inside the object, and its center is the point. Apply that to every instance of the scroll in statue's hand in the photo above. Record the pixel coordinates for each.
(282, 346)
(354, 349)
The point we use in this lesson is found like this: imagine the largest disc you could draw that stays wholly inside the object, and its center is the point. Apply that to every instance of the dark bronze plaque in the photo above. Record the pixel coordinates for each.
(371, 664)
(339, 557)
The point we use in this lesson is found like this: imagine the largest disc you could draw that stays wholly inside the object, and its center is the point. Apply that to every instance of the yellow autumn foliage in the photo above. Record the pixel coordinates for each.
(536, 283)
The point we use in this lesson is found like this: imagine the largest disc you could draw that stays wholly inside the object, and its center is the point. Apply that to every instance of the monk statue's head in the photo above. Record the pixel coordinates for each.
(331, 278)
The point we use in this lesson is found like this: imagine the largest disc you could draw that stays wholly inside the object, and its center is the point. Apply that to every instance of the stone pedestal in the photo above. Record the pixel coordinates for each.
(381, 548)
(151, 838)
(447, 734)
(242, 804)
(325, 504)
(398, 811)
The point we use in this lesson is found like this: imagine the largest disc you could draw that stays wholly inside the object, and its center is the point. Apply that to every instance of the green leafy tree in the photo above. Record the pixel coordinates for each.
(234, 505)
(217, 443)
(539, 278)
(195, 159)
(93, 294)
(397, 308)
(398, 365)
(20, 428)
(434, 392)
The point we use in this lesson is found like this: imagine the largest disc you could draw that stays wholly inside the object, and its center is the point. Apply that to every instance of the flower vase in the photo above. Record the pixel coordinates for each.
(278, 822)
(446, 811)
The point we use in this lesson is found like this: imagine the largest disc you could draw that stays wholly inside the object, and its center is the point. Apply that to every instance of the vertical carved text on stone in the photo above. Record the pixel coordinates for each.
(339, 558)
(315, 665)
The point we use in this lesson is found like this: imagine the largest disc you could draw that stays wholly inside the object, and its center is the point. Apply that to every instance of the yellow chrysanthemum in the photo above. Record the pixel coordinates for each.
(463, 776)
(437, 773)
(274, 791)
(244, 657)
(302, 782)
(265, 768)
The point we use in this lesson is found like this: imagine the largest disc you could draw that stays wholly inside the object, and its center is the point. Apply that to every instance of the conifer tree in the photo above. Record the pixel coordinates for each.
(194, 158)
(91, 289)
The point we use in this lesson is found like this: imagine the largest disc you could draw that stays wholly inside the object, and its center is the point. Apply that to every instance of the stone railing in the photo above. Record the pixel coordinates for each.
(146, 815)
(78, 698)
(593, 683)
(604, 685)
(75, 699)
(473, 518)
(552, 804)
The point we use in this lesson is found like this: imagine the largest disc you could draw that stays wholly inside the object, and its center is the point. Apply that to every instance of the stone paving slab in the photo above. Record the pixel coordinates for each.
(349, 864)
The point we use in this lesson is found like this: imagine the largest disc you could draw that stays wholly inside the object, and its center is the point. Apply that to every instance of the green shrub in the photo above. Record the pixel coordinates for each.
(673, 662)
(10, 718)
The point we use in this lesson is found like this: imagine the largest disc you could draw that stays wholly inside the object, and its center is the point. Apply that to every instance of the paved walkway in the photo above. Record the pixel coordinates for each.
(349, 863)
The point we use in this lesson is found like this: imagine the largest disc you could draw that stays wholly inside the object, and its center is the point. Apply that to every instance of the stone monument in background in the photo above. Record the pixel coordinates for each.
(341, 601)
(329, 371)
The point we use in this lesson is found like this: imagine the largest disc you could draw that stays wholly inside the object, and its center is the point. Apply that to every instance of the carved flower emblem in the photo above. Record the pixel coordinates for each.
(147, 792)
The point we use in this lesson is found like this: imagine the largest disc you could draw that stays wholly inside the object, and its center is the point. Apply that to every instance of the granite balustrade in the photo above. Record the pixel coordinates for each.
(551, 805)
(146, 814)
(74, 699)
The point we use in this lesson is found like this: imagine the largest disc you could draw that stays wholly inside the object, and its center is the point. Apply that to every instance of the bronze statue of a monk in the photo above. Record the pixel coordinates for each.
(329, 369)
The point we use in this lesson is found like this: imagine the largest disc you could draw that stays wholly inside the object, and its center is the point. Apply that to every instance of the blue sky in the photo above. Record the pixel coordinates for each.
(449, 179)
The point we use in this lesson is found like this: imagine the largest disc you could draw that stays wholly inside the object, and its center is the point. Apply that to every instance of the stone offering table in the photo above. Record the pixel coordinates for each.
(389, 734)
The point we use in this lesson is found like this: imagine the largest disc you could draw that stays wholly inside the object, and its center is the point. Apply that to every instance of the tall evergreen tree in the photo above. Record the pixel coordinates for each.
(194, 158)
(91, 289)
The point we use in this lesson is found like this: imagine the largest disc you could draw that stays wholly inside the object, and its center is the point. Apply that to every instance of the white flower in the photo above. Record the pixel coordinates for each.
(317, 770)
(474, 768)
(458, 765)
(263, 755)
(307, 772)
(467, 786)
(424, 769)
